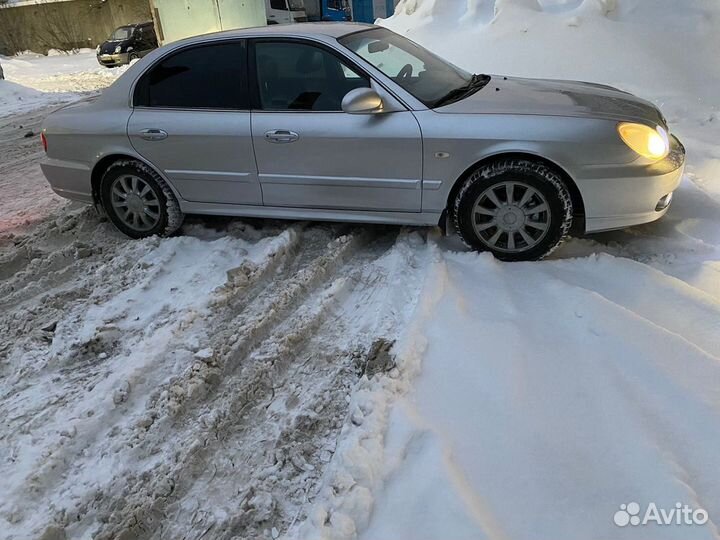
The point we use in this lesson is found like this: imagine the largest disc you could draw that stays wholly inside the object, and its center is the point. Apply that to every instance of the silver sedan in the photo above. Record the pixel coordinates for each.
(348, 122)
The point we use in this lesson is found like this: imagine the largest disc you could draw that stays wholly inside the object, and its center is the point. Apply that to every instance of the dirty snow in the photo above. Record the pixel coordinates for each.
(263, 379)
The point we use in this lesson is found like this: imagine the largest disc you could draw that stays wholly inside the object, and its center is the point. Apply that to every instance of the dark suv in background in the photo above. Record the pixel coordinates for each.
(127, 43)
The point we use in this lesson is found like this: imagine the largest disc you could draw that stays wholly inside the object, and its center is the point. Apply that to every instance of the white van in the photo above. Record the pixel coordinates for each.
(285, 11)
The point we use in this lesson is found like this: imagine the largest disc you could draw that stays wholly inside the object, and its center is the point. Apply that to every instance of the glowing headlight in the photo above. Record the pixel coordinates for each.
(118, 49)
(646, 141)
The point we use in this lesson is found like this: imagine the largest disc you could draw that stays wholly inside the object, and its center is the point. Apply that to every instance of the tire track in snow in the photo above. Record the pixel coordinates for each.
(269, 359)
(47, 395)
(261, 361)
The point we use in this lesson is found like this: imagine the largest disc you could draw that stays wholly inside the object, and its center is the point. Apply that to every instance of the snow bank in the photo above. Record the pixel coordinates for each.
(15, 98)
(11, 93)
(602, 40)
(539, 413)
(34, 80)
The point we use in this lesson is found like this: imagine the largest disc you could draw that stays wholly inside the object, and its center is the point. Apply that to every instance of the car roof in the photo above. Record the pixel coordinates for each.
(134, 25)
(331, 29)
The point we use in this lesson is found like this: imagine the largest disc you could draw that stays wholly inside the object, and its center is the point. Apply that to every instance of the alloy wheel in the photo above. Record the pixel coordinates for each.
(511, 216)
(135, 202)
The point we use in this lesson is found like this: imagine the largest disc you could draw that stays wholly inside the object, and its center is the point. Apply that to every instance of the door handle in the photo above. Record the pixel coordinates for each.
(153, 134)
(281, 136)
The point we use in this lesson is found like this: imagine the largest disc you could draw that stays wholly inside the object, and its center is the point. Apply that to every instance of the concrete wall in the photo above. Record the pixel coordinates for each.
(66, 25)
(176, 19)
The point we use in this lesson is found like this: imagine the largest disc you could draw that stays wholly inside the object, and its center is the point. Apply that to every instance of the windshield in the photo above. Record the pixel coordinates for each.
(121, 34)
(427, 77)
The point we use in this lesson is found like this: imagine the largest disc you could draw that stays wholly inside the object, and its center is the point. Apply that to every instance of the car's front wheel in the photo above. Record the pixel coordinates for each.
(520, 210)
(138, 201)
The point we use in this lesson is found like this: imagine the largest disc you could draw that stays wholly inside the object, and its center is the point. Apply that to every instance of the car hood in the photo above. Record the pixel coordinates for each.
(108, 47)
(513, 95)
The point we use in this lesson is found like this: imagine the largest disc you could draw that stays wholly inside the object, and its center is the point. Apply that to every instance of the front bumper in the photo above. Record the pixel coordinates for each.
(634, 196)
(110, 60)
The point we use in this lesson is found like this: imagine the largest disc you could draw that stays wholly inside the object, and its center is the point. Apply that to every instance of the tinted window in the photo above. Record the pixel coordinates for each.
(278, 4)
(295, 76)
(205, 77)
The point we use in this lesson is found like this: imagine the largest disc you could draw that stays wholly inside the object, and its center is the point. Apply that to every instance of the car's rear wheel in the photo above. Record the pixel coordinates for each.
(519, 210)
(138, 201)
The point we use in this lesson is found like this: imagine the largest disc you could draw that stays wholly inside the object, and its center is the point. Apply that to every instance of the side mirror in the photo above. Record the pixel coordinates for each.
(362, 101)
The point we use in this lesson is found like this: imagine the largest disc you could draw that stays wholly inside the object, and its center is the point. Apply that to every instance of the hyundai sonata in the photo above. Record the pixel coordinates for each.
(349, 122)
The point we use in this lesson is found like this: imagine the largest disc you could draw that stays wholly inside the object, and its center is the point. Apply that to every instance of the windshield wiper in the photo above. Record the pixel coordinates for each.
(477, 82)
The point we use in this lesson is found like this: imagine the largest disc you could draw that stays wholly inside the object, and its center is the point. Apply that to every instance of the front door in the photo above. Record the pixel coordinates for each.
(192, 122)
(310, 154)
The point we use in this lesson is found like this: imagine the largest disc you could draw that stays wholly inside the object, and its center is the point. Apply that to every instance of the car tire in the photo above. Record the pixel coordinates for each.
(138, 201)
(519, 210)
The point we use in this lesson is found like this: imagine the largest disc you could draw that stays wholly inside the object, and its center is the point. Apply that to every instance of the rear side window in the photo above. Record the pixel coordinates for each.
(204, 77)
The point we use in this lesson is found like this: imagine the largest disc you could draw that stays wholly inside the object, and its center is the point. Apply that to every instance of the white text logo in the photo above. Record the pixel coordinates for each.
(680, 514)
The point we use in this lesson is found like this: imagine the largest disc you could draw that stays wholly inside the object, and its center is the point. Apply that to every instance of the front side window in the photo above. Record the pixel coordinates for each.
(298, 76)
(278, 4)
(204, 77)
(427, 77)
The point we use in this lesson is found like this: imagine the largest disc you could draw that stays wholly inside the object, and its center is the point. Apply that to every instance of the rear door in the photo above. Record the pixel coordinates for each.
(191, 120)
(310, 153)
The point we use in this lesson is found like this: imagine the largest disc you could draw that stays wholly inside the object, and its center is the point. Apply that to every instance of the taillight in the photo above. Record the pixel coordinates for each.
(44, 141)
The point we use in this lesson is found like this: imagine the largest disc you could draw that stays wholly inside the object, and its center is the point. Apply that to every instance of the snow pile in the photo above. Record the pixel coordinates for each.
(46, 80)
(14, 97)
(59, 52)
(549, 394)
(539, 413)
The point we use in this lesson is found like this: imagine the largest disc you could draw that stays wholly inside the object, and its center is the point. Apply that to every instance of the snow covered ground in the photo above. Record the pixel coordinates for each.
(35, 85)
(258, 379)
(34, 80)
